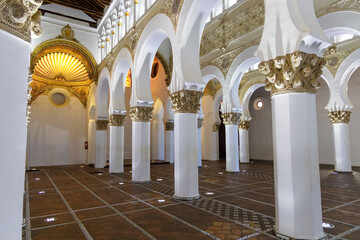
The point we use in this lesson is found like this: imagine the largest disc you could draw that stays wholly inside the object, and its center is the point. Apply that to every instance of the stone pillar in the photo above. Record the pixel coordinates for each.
(200, 122)
(340, 122)
(292, 82)
(169, 142)
(231, 121)
(185, 106)
(244, 141)
(101, 143)
(141, 118)
(116, 155)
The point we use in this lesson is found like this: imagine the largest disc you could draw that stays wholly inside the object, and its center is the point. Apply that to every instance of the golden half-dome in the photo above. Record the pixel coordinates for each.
(59, 66)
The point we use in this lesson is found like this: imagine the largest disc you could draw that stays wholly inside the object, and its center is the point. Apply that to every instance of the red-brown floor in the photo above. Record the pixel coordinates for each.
(79, 202)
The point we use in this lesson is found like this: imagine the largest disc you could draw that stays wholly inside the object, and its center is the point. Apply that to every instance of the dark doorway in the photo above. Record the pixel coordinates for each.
(222, 139)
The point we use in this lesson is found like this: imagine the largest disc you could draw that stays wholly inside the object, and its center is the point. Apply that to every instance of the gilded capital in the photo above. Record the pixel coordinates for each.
(244, 125)
(15, 16)
(231, 118)
(216, 127)
(294, 72)
(169, 126)
(101, 125)
(141, 114)
(200, 122)
(186, 101)
(339, 117)
(117, 120)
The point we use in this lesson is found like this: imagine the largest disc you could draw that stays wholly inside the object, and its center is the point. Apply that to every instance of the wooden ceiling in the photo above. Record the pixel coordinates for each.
(93, 8)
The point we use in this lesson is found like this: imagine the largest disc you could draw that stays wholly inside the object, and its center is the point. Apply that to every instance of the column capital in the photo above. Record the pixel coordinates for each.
(216, 126)
(339, 117)
(186, 101)
(294, 72)
(244, 125)
(231, 118)
(141, 114)
(15, 16)
(169, 126)
(117, 120)
(101, 125)
(200, 122)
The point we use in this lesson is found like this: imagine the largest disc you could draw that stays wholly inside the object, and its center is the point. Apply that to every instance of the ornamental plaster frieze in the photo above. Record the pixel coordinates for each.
(244, 125)
(101, 125)
(172, 10)
(248, 80)
(15, 17)
(141, 114)
(117, 120)
(186, 101)
(339, 5)
(231, 118)
(339, 117)
(294, 72)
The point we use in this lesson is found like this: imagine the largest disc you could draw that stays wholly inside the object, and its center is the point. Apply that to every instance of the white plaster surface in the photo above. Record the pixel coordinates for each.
(116, 149)
(169, 146)
(141, 151)
(232, 148)
(243, 146)
(101, 148)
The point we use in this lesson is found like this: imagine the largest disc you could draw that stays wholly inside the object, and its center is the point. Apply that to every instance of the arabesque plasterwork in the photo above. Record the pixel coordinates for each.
(231, 118)
(141, 114)
(244, 125)
(117, 120)
(294, 72)
(340, 5)
(339, 117)
(169, 126)
(101, 125)
(186, 101)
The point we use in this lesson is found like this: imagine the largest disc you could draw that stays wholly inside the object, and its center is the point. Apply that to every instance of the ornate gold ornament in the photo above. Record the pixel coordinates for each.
(141, 114)
(15, 16)
(200, 122)
(101, 125)
(68, 34)
(186, 101)
(212, 87)
(339, 117)
(294, 72)
(169, 126)
(117, 120)
(216, 126)
(231, 118)
(244, 125)
(172, 9)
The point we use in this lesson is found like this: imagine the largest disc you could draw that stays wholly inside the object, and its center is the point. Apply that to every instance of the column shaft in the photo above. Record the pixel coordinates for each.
(101, 148)
(244, 146)
(169, 142)
(232, 148)
(116, 149)
(342, 147)
(141, 151)
(199, 147)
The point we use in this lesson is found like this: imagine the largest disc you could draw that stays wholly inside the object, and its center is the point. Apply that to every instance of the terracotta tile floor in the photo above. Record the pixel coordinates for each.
(80, 202)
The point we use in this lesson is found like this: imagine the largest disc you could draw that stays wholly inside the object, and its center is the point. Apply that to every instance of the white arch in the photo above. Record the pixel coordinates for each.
(237, 69)
(156, 31)
(342, 22)
(245, 116)
(211, 72)
(122, 64)
(102, 94)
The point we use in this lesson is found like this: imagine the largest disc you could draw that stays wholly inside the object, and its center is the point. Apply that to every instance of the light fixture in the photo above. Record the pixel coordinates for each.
(99, 174)
(209, 193)
(159, 179)
(37, 179)
(328, 225)
(161, 200)
(121, 183)
(221, 173)
(41, 192)
(51, 219)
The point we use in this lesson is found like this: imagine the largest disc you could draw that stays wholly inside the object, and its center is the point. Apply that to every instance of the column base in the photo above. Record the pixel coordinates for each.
(336, 171)
(232, 171)
(282, 236)
(186, 198)
(137, 182)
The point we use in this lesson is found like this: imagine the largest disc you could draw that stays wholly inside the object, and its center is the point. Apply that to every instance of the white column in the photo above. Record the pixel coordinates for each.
(14, 65)
(244, 141)
(340, 122)
(200, 122)
(185, 106)
(101, 143)
(169, 142)
(296, 163)
(141, 117)
(117, 143)
(231, 121)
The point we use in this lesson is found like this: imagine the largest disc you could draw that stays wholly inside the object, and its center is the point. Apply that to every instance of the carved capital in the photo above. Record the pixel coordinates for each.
(231, 118)
(117, 120)
(339, 117)
(15, 16)
(244, 125)
(101, 125)
(186, 101)
(294, 72)
(200, 122)
(169, 126)
(216, 127)
(141, 114)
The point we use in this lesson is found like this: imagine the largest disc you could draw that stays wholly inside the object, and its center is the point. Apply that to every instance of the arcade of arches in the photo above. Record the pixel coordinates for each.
(180, 119)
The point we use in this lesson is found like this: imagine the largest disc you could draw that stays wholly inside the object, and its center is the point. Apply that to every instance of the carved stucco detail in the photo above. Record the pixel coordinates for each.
(342, 5)
(244, 125)
(117, 120)
(141, 114)
(172, 9)
(101, 125)
(294, 72)
(186, 101)
(169, 126)
(200, 122)
(15, 16)
(339, 117)
(231, 118)
(216, 126)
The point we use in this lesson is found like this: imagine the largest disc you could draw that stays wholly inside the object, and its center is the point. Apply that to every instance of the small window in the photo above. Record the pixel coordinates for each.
(155, 69)
(258, 104)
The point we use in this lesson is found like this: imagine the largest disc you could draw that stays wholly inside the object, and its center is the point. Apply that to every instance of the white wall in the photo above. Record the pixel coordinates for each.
(260, 132)
(57, 134)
